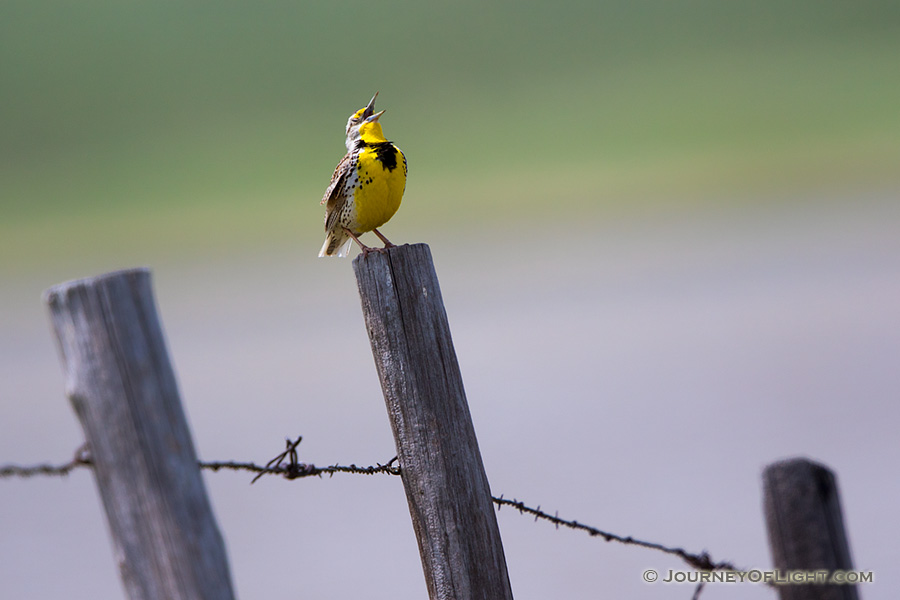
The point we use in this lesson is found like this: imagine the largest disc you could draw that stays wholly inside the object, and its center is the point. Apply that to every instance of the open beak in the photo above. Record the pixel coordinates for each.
(370, 107)
(374, 117)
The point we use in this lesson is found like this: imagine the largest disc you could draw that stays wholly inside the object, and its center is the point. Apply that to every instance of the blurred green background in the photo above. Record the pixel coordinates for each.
(196, 127)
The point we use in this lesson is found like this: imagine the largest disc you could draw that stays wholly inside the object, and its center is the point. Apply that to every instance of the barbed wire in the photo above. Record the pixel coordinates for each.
(293, 469)
(702, 561)
(301, 470)
(82, 458)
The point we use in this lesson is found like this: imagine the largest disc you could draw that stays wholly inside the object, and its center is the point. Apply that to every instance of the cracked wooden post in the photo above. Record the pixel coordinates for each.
(806, 528)
(443, 475)
(122, 387)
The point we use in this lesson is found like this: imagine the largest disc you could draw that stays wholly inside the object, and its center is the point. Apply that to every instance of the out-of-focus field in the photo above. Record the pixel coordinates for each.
(189, 127)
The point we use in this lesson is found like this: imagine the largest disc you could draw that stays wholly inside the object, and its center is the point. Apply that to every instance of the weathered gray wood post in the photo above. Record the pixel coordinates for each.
(443, 475)
(122, 386)
(806, 528)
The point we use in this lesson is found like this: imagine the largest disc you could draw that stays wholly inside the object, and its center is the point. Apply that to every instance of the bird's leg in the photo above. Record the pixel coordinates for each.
(387, 242)
(365, 249)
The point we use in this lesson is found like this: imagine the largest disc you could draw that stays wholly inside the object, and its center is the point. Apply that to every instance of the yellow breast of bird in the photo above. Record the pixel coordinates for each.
(381, 172)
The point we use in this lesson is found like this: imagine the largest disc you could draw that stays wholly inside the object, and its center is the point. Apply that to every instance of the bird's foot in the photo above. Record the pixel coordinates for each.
(367, 250)
(387, 242)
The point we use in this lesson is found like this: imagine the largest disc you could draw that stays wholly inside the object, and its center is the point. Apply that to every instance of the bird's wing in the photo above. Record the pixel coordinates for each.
(340, 172)
(334, 197)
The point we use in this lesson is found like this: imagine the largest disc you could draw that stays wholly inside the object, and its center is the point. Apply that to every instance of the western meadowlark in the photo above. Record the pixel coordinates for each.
(366, 187)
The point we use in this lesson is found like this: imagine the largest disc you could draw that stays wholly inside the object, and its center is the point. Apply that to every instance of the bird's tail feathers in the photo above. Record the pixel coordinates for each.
(336, 244)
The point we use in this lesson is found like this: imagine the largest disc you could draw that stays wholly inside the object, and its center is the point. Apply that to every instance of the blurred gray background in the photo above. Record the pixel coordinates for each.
(667, 235)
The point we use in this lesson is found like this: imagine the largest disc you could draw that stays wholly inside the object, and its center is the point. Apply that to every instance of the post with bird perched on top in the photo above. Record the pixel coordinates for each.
(443, 475)
(446, 487)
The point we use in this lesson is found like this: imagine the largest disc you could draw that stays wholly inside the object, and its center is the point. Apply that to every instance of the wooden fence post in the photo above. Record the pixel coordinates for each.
(806, 529)
(443, 475)
(122, 386)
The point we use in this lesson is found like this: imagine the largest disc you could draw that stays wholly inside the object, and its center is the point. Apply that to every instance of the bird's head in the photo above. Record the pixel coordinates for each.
(356, 119)
(370, 129)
